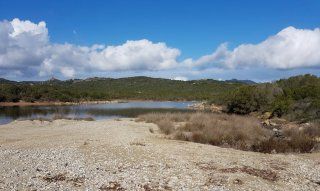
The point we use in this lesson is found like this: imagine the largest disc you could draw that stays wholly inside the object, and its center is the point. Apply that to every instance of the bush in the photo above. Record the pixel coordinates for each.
(270, 145)
(301, 141)
(281, 106)
(243, 101)
(296, 98)
(165, 126)
(2, 98)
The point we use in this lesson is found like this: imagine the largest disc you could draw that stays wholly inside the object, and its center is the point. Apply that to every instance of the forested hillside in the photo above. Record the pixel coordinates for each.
(107, 89)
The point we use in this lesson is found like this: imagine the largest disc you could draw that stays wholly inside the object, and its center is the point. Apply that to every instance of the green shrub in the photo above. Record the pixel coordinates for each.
(281, 106)
(296, 98)
(243, 101)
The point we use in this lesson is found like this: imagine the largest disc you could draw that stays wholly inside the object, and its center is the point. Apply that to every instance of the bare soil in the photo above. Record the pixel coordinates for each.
(128, 155)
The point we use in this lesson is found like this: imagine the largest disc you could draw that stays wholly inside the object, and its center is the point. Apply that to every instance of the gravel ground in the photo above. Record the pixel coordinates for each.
(125, 155)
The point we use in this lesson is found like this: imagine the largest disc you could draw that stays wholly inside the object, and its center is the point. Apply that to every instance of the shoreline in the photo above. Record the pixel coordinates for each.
(49, 103)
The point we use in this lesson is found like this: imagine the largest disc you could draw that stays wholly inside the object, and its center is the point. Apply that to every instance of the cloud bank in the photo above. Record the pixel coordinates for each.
(26, 50)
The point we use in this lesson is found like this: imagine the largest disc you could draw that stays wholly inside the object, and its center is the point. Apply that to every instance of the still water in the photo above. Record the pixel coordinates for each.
(94, 111)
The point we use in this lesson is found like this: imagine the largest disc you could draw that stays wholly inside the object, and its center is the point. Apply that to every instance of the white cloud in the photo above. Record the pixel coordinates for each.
(22, 27)
(22, 44)
(207, 61)
(67, 72)
(290, 48)
(180, 78)
(25, 50)
(25, 47)
(135, 55)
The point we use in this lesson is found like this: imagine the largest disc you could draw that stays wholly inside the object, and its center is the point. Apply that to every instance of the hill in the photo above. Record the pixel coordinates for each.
(249, 82)
(144, 88)
(2, 80)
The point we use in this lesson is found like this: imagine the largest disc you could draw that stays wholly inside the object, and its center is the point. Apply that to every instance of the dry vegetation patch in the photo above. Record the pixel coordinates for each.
(265, 174)
(239, 132)
(137, 143)
(76, 181)
(112, 186)
(55, 178)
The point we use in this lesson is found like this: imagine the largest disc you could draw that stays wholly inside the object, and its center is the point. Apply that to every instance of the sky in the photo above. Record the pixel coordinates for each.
(176, 39)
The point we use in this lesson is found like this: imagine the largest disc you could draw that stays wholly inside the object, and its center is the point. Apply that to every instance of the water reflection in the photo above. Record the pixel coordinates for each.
(95, 111)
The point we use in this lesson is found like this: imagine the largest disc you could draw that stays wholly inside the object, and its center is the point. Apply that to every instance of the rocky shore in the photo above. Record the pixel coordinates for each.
(122, 154)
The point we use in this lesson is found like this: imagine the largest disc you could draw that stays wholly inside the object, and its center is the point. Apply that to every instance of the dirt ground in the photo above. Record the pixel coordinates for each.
(122, 154)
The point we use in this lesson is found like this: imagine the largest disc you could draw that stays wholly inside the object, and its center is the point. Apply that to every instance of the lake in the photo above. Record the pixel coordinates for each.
(91, 111)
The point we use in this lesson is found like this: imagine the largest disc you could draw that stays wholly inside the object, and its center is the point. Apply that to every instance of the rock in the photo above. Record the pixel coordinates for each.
(266, 122)
(273, 124)
(266, 115)
(278, 133)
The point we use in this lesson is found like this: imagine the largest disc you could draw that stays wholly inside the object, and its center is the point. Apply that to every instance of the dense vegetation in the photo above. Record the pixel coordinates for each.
(296, 98)
(107, 89)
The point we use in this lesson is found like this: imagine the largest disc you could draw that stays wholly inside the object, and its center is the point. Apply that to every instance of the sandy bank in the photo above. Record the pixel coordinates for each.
(125, 155)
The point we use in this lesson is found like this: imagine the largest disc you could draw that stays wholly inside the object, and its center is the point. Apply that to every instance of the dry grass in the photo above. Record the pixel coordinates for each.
(239, 132)
(295, 140)
(227, 130)
(156, 117)
(216, 129)
(313, 130)
(165, 126)
(299, 144)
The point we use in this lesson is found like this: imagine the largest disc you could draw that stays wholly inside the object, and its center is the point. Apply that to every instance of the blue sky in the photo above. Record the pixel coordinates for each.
(194, 28)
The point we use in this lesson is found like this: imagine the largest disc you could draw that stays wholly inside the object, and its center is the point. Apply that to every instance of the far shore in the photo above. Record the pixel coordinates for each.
(50, 103)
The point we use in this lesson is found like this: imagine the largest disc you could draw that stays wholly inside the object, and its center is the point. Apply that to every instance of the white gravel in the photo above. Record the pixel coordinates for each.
(125, 155)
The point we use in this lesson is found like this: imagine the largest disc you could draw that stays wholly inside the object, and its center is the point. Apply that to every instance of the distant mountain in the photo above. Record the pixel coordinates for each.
(53, 80)
(2, 80)
(249, 82)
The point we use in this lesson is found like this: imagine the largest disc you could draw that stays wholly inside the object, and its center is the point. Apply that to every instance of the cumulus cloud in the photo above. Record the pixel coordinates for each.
(25, 48)
(136, 55)
(22, 44)
(289, 49)
(209, 61)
